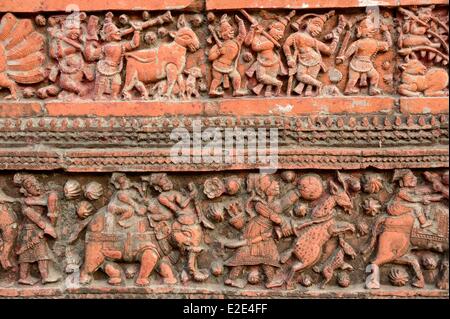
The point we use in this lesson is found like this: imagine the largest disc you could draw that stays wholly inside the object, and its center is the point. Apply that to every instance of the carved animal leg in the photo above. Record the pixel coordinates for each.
(268, 92)
(172, 75)
(411, 260)
(181, 85)
(114, 273)
(148, 262)
(353, 77)
(199, 275)
(373, 279)
(93, 259)
(408, 90)
(166, 271)
(296, 267)
(443, 280)
(142, 89)
(131, 80)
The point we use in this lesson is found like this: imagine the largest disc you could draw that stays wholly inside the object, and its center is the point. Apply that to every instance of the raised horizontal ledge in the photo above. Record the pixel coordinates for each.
(284, 106)
(91, 5)
(154, 160)
(103, 290)
(311, 4)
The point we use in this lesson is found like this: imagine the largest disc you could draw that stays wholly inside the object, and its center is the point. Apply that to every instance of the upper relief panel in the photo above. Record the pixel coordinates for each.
(194, 54)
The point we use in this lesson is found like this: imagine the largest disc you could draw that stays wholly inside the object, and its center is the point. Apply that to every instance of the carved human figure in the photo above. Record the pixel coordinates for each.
(68, 49)
(186, 229)
(224, 56)
(125, 202)
(108, 72)
(307, 55)
(362, 52)
(257, 247)
(268, 64)
(32, 244)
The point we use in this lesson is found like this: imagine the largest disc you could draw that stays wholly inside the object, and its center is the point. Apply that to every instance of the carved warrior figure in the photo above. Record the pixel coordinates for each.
(268, 63)
(400, 235)
(32, 244)
(257, 246)
(21, 56)
(306, 58)
(362, 52)
(186, 230)
(108, 72)
(224, 57)
(164, 63)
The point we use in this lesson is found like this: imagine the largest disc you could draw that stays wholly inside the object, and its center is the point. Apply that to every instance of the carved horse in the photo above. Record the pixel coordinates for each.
(312, 235)
(400, 236)
(166, 62)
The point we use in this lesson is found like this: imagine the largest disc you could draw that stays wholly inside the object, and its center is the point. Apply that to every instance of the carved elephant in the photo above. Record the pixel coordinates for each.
(107, 242)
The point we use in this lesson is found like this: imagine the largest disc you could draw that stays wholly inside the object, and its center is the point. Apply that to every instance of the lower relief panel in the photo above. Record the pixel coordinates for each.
(239, 234)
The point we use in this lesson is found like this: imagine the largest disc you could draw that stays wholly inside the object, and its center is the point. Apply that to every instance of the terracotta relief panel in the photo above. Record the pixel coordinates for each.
(292, 232)
(204, 148)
